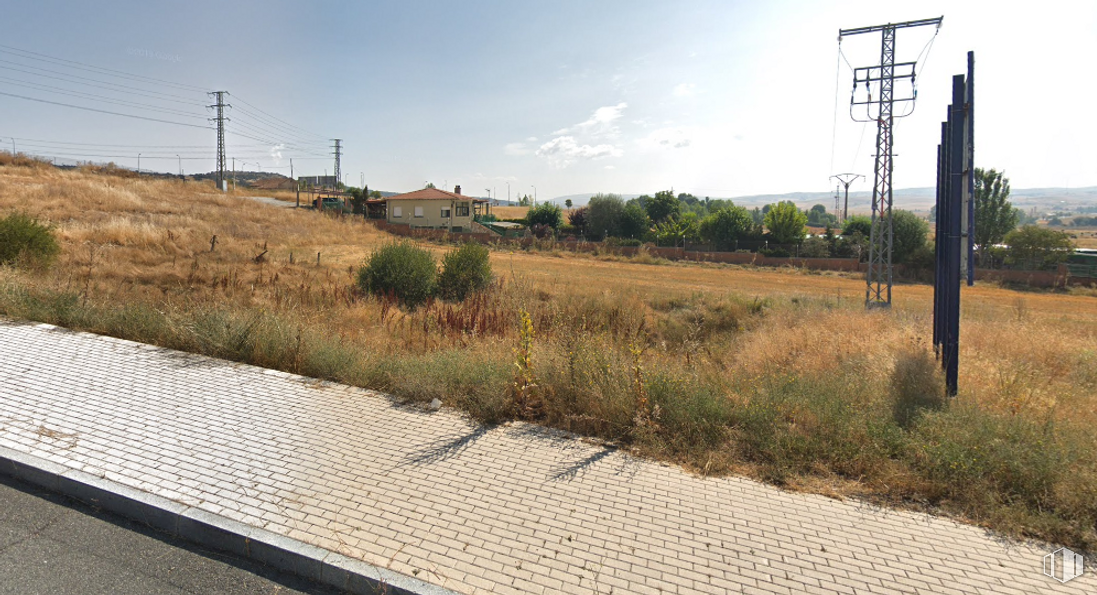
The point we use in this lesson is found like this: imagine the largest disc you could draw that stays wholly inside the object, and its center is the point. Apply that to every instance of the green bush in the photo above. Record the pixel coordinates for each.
(909, 232)
(465, 270)
(545, 214)
(400, 270)
(24, 240)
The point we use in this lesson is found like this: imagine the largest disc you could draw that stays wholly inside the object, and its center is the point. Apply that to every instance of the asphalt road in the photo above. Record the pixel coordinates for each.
(51, 544)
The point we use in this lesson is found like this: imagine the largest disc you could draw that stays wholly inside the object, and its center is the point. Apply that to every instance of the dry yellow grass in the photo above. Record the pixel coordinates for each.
(510, 212)
(1024, 355)
(1084, 237)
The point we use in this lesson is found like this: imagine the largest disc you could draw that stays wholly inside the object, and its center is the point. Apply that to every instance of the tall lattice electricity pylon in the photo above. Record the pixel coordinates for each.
(338, 152)
(220, 119)
(879, 277)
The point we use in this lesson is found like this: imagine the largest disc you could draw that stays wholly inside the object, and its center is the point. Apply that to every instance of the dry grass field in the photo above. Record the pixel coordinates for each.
(1084, 237)
(509, 212)
(775, 373)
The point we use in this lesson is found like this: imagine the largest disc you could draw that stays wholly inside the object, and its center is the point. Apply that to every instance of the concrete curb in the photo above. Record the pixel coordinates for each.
(214, 531)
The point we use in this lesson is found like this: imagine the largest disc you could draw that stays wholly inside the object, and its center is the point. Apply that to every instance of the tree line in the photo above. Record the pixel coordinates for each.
(781, 229)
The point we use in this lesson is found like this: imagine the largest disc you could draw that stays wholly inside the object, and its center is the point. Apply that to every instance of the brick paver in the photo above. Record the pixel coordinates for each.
(509, 509)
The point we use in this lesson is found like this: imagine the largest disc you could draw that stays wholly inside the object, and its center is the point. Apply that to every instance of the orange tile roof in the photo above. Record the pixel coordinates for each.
(433, 194)
(429, 194)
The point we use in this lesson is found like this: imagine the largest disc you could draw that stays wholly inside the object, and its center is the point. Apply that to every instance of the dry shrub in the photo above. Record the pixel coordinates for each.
(917, 385)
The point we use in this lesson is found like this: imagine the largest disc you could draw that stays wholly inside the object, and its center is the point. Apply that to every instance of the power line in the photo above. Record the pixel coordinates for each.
(91, 109)
(280, 120)
(50, 142)
(269, 134)
(72, 78)
(271, 142)
(94, 97)
(82, 66)
(275, 128)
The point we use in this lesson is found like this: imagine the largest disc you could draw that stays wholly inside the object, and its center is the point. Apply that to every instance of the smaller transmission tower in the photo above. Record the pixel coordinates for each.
(846, 180)
(220, 106)
(338, 152)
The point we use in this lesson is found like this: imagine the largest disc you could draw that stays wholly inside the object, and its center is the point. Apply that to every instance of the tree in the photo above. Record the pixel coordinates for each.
(579, 218)
(674, 232)
(664, 206)
(819, 217)
(726, 226)
(857, 224)
(688, 198)
(994, 216)
(545, 213)
(568, 203)
(1033, 247)
(758, 216)
(429, 185)
(786, 223)
(634, 222)
(358, 198)
(909, 233)
(524, 201)
(604, 215)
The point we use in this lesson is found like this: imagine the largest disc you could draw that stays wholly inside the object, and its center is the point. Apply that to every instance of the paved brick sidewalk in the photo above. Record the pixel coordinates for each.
(511, 509)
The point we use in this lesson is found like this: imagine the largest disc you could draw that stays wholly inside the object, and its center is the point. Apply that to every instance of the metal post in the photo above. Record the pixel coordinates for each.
(969, 165)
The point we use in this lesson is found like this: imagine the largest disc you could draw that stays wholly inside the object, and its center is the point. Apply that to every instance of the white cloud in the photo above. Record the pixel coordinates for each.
(600, 123)
(531, 139)
(276, 152)
(565, 150)
(667, 138)
(685, 90)
(611, 167)
(516, 149)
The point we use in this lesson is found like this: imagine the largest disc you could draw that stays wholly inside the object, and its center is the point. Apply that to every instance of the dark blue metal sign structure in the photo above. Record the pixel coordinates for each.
(955, 220)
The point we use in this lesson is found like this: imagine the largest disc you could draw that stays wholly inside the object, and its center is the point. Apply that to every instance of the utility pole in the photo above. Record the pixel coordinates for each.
(221, 119)
(338, 152)
(138, 164)
(233, 175)
(296, 185)
(846, 180)
(880, 278)
(180, 159)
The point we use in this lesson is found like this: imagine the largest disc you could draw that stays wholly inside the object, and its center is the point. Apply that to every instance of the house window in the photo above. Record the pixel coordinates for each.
(463, 209)
(445, 213)
(397, 212)
(419, 212)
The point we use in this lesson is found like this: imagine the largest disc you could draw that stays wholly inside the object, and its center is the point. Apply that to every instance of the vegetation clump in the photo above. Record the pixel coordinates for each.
(25, 240)
(465, 270)
(400, 270)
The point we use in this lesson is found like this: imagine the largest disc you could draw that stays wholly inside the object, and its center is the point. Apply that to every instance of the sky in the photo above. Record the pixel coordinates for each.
(717, 99)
